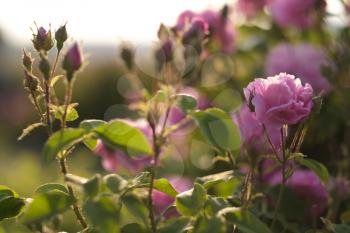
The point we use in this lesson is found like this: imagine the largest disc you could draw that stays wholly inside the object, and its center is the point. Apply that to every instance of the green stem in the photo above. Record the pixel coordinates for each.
(67, 101)
(75, 207)
(156, 149)
(47, 100)
(280, 195)
(52, 75)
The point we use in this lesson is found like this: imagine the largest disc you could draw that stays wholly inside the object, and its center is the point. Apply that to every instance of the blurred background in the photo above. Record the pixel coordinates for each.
(101, 26)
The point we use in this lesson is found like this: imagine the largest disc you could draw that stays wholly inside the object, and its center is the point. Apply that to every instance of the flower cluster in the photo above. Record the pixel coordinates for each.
(216, 23)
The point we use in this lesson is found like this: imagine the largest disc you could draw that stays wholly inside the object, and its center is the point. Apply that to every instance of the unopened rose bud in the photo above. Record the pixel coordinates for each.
(43, 40)
(31, 83)
(27, 61)
(128, 57)
(61, 36)
(45, 66)
(73, 60)
(164, 54)
(196, 33)
(224, 11)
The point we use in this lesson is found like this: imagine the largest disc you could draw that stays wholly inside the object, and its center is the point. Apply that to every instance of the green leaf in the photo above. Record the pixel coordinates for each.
(7, 192)
(189, 203)
(103, 213)
(92, 186)
(186, 102)
(115, 183)
(209, 225)
(164, 186)
(46, 205)
(89, 125)
(244, 220)
(336, 228)
(141, 180)
(218, 129)
(49, 187)
(29, 129)
(214, 205)
(123, 136)
(10, 207)
(159, 97)
(135, 207)
(62, 140)
(71, 114)
(54, 80)
(133, 228)
(174, 225)
(320, 169)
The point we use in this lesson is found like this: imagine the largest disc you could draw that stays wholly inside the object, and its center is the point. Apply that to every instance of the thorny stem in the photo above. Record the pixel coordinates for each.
(53, 73)
(36, 104)
(55, 64)
(47, 100)
(271, 144)
(62, 160)
(75, 207)
(280, 195)
(67, 101)
(156, 149)
(230, 158)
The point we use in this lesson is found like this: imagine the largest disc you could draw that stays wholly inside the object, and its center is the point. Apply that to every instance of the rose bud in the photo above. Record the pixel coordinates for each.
(196, 32)
(72, 60)
(43, 40)
(61, 36)
(127, 54)
(164, 54)
(27, 61)
(31, 83)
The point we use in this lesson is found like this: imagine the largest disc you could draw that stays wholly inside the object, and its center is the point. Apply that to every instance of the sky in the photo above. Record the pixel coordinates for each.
(100, 21)
(96, 21)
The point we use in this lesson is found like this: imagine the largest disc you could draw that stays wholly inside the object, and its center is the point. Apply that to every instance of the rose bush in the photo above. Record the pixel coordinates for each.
(190, 157)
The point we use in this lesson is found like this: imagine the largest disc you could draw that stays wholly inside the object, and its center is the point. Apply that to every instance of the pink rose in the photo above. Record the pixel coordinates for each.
(114, 160)
(252, 132)
(279, 100)
(162, 201)
(298, 13)
(303, 60)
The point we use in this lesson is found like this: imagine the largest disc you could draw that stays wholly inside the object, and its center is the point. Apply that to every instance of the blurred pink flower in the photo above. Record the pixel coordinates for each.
(339, 187)
(221, 31)
(180, 137)
(114, 160)
(250, 7)
(303, 60)
(279, 100)
(306, 185)
(298, 13)
(162, 201)
(176, 115)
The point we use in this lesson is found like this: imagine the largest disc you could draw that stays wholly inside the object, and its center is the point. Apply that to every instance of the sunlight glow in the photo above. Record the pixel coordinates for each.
(102, 21)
